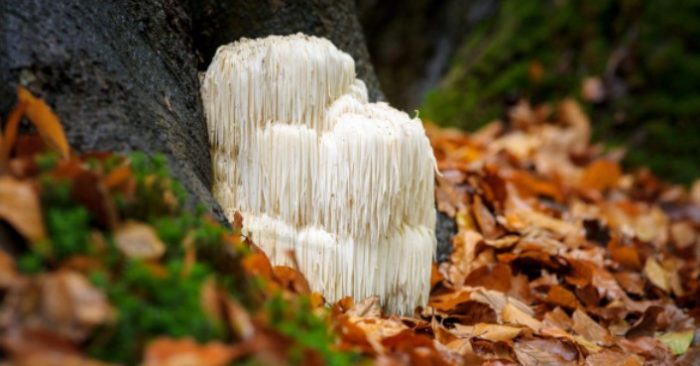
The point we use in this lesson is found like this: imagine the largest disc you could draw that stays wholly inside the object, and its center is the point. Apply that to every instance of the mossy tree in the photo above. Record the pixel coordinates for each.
(645, 53)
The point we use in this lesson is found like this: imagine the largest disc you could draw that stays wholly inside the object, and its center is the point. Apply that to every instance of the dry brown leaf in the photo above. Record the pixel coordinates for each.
(368, 307)
(484, 218)
(495, 276)
(590, 330)
(559, 319)
(524, 219)
(179, 352)
(545, 352)
(610, 358)
(653, 350)
(502, 242)
(35, 347)
(46, 122)
(559, 295)
(69, 305)
(291, 279)
(600, 175)
(138, 240)
(656, 274)
(492, 332)
(632, 282)
(514, 315)
(463, 255)
(7, 139)
(683, 234)
(20, 207)
(239, 319)
(8, 270)
(627, 256)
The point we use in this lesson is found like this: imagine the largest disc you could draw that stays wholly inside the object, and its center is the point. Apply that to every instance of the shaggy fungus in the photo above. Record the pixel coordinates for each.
(316, 170)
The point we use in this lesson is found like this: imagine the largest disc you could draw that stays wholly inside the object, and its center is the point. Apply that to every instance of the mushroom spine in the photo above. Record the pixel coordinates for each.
(316, 170)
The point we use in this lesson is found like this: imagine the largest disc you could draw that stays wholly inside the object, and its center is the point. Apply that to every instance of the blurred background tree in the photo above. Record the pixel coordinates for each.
(635, 64)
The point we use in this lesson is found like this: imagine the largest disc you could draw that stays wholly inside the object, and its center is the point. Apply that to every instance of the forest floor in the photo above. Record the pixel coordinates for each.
(560, 258)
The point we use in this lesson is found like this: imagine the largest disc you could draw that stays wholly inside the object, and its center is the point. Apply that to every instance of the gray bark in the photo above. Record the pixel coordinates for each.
(121, 75)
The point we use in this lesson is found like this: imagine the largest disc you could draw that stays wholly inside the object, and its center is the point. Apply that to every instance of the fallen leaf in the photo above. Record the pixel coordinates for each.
(20, 207)
(495, 276)
(683, 234)
(653, 350)
(559, 295)
(656, 274)
(627, 256)
(590, 330)
(545, 352)
(138, 240)
(610, 358)
(291, 279)
(492, 332)
(514, 315)
(46, 122)
(179, 352)
(7, 139)
(36, 347)
(600, 175)
(678, 342)
(484, 218)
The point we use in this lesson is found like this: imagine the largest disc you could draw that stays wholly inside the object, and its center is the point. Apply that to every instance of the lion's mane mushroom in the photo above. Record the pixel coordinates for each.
(315, 169)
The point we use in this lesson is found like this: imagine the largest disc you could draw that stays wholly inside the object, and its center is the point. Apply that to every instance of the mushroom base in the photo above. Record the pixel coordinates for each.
(397, 268)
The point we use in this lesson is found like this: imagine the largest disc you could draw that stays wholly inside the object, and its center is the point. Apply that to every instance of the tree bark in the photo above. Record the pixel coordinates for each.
(121, 75)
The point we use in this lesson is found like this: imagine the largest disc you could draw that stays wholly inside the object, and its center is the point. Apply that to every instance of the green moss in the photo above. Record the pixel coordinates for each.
(158, 298)
(309, 331)
(645, 51)
(148, 306)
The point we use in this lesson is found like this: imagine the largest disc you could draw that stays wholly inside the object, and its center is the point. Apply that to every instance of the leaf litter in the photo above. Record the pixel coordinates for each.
(561, 258)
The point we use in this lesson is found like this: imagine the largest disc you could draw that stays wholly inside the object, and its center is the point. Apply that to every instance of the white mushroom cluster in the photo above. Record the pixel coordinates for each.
(317, 171)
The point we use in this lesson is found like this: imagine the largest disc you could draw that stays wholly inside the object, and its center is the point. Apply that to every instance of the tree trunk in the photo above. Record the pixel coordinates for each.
(121, 75)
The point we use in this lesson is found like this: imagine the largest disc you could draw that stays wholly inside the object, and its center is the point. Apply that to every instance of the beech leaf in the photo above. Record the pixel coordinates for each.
(19, 206)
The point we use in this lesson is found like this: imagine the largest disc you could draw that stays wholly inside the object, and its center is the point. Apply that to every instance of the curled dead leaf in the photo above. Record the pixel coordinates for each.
(46, 122)
(492, 332)
(179, 352)
(514, 315)
(590, 330)
(545, 352)
(20, 207)
(656, 274)
(138, 240)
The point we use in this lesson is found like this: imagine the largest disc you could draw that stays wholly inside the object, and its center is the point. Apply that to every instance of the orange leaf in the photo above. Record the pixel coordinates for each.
(117, 177)
(626, 256)
(46, 122)
(19, 205)
(561, 296)
(600, 175)
(257, 264)
(291, 279)
(171, 352)
(7, 140)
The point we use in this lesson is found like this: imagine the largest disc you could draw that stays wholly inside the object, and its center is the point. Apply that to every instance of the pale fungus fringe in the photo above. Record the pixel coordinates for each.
(317, 171)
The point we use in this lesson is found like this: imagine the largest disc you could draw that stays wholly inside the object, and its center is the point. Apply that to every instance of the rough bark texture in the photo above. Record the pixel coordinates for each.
(121, 75)
(217, 22)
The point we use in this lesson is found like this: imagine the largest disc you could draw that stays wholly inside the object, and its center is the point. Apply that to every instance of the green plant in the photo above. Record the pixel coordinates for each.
(644, 52)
